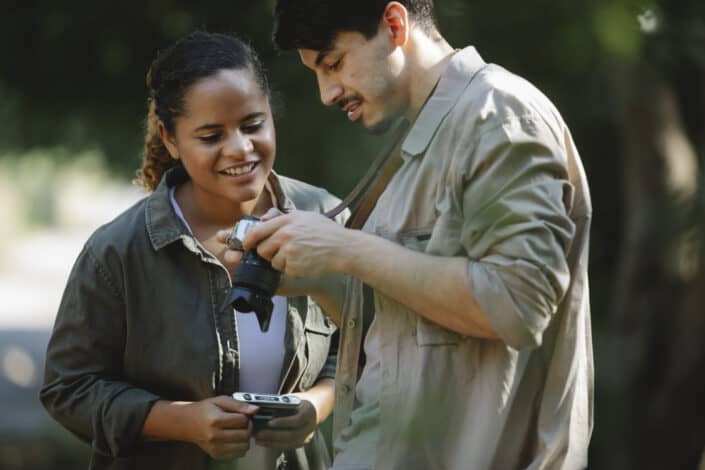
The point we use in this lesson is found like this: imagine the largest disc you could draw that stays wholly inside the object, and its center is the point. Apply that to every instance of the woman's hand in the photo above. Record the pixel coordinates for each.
(290, 432)
(294, 431)
(221, 426)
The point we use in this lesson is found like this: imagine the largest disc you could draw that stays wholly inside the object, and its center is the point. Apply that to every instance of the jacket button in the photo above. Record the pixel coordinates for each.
(346, 389)
(351, 323)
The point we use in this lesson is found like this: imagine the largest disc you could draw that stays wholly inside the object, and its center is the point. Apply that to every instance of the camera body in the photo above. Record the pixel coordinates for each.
(270, 406)
(255, 279)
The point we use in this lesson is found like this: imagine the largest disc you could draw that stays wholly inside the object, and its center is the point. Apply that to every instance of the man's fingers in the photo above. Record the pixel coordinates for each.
(263, 230)
(279, 262)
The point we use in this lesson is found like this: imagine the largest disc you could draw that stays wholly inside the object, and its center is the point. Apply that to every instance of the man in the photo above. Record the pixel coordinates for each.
(480, 354)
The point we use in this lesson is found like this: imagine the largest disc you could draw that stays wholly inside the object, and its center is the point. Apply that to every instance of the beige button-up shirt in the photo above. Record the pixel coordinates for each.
(489, 172)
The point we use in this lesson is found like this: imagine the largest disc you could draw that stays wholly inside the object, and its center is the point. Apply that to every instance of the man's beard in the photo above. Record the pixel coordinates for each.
(385, 124)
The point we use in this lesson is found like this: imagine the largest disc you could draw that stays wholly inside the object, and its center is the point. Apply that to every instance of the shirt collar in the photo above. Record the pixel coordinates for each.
(163, 224)
(460, 71)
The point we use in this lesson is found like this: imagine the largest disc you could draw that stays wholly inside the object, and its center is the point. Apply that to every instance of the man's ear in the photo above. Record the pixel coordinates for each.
(168, 140)
(396, 20)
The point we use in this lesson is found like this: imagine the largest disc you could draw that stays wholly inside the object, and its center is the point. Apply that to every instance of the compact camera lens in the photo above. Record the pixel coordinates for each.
(247, 396)
(285, 399)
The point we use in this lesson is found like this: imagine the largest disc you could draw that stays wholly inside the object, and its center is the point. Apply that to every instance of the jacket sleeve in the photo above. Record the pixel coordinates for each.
(84, 388)
(515, 199)
(328, 370)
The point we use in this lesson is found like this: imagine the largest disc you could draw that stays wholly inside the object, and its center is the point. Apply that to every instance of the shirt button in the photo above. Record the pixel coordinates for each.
(351, 323)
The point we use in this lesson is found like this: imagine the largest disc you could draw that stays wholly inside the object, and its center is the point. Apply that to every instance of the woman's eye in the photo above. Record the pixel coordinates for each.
(254, 127)
(210, 138)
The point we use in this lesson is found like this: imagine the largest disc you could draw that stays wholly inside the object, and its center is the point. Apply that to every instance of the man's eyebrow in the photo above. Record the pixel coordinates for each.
(323, 53)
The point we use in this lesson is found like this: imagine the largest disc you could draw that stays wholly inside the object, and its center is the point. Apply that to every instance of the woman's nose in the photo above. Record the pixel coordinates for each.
(238, 145)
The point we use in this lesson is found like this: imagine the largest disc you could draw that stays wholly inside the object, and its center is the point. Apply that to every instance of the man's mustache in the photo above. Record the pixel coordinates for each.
(343, 102)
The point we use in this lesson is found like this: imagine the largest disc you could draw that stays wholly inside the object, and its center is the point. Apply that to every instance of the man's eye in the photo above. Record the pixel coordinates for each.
(335, 65)
(210, 138)
(254, 127)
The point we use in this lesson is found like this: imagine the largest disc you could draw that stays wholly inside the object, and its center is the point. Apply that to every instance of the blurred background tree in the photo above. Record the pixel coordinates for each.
(628, 76)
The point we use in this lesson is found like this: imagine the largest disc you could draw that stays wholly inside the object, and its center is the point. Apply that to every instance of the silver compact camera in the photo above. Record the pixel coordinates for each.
(270, 406)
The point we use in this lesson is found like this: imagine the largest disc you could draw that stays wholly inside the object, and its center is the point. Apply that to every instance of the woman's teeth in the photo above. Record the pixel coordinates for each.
(241, 170)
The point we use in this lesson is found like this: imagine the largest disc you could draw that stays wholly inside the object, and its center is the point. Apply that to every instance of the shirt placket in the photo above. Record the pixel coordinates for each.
(224, 321)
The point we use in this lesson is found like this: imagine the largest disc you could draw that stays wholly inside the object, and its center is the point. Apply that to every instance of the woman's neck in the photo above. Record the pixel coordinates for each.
(207, 217)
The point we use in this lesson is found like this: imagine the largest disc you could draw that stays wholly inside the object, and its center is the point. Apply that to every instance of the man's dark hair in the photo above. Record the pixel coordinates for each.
(313, 24)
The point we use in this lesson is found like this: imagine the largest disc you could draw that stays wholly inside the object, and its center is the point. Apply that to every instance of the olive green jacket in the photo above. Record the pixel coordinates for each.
(141, 319)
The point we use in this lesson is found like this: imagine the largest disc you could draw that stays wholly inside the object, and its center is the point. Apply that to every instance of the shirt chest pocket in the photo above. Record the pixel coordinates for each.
(427, 333)
(317, 330)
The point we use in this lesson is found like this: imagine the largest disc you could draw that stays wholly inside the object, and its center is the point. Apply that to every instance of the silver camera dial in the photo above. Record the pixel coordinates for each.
(239, 231)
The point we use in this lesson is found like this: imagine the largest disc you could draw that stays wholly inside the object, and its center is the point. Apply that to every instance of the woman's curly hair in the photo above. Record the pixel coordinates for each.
(199, 55)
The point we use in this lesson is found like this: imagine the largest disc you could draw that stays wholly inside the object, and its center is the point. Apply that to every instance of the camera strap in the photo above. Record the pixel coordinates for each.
(363, 198)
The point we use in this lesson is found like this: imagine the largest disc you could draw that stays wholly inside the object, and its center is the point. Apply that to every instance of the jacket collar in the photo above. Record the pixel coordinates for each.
(461, 69)
(164, 226)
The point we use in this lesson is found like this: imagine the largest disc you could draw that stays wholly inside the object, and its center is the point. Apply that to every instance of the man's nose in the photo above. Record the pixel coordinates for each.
(239, 145)
(330, 91)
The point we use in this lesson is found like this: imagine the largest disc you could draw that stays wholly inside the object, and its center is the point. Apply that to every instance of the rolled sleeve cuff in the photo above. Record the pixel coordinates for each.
(118, 423)
(503, 309)
(328, 371)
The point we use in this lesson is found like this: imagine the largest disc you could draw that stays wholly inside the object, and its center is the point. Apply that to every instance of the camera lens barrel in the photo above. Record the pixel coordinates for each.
(254, 284)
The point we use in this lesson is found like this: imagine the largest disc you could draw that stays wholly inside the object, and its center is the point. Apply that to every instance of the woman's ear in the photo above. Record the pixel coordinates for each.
(396, 20)
(168, 140)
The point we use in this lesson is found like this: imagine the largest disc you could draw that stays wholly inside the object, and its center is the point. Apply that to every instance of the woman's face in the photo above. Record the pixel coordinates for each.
(225, 138)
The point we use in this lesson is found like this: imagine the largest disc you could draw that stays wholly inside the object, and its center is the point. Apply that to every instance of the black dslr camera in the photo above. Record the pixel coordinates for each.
(255, 279)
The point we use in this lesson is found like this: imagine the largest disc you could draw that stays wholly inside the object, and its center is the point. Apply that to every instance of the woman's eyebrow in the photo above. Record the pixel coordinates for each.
(208, 127)
(257, 114)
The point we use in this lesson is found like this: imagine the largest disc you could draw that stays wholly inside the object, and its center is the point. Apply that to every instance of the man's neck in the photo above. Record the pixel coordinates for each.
(428, 59)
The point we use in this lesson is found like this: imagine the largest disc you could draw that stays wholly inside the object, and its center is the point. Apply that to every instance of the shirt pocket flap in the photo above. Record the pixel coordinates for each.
(317, 321)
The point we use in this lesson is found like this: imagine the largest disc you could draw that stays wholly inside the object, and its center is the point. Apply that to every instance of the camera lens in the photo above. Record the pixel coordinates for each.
(247, 396)
(254, 284)
(255, 280)
(285, 399)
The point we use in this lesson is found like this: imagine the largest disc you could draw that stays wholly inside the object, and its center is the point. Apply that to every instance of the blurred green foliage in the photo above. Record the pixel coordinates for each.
(72, 78)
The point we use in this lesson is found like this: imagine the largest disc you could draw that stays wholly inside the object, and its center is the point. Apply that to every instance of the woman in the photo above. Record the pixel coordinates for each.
(143, 358)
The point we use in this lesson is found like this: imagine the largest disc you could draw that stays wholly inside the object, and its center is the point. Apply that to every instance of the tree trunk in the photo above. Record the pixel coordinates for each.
(653, 343)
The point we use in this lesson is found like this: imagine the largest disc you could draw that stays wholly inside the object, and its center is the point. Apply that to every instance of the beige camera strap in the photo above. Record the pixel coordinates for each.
(363, 198)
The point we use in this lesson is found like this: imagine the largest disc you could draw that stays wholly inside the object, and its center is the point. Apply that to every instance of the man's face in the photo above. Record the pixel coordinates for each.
(364, 77)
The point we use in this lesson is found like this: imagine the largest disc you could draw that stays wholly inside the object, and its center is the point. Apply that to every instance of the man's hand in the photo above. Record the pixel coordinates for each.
(299, 244)
(221, 426)
(290, 432)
